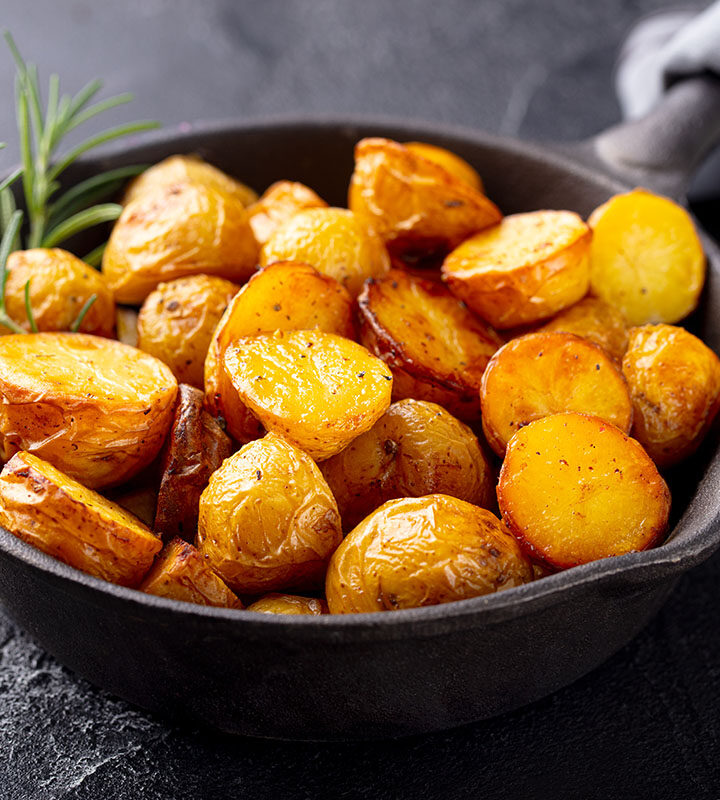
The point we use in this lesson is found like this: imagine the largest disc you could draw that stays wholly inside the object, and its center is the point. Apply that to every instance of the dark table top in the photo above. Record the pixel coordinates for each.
(644, 725)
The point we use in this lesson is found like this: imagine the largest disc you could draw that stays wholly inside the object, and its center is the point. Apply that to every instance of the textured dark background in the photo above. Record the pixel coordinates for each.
(645, 725)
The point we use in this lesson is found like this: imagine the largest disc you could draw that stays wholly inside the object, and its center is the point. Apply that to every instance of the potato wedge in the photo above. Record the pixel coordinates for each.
(289, 604)
(574, 488)
(436, 349)
(674, 382)
(541, 374)
(277, 204)
(318, 390)
(96, 409)
(525, 269)
(646, 258)
(450, 162)
(51, 511)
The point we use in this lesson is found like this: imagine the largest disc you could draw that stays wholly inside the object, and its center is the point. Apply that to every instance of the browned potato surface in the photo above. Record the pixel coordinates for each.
(126, 320)
(540, 374)
(96, 409)
(674, 382)
(436, 349)
(289, 604)
(49, 510)
(268, 520)
(525, 269)
(423, 551)
(278, 203)
(574, 488)
(450, 162)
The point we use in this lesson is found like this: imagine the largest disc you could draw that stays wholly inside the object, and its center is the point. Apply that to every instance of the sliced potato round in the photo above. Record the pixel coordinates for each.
(574, 488)
(525, 269)
(277, 204)
(289, 604)
(450, 162)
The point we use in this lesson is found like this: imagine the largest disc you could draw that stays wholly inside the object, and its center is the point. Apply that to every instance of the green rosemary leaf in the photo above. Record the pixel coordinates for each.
(7, 208)
(75, 327)
(11, 178)
(98, 108)
(84, 96)
(6, 243)
(77, 197)
(94, 257)
(107, 212)
(51, 112)
(23, 123)
(28, 308)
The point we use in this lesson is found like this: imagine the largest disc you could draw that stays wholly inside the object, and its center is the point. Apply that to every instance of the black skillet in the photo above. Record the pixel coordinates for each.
(392, 674)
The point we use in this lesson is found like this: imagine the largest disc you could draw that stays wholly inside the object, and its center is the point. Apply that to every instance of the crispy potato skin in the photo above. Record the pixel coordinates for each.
(451, 163)
(289, 604)
(268, 520)
(415, 448)
(436, 349)
(423, 551)
(60, 285)
(525, 269)
(195, 448)
(574, 488)
(49, 510)
(96, 409)
(540, 374)
(334, 241)
(646, 258)
(674, 382)
(177, 230)
(277, 204)
(180, 573)
(177, 322)
(319, 390)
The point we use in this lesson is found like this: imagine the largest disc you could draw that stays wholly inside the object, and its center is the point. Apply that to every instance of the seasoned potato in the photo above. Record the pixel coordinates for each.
(415, 448)
(546, 373)
(268, 520)
(178, 320)
(47, 509)
(574, 488)
(448, 161)
(96, 409)
(289, 604)
(436, 349)
(126, 320)
(60, 285)
(334, 241)
(674, 382)
(646, 259)
(525, 269)
(180, 573)
(171, 231)
(195, 448)
(278, 203)
(420, 552)
(414, 203)
(318, 390)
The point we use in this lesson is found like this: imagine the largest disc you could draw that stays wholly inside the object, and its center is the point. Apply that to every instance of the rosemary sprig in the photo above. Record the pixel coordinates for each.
(9, 235)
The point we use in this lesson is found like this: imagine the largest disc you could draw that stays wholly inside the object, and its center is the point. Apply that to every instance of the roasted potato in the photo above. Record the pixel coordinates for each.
(278, 203)
(674, 382)
(140, 501)
(268, 520)
(177, 322)
(180, 573)
(450, 162)
(51, 511)
(177, 230)
(420, 552)
(60, 285)
(94, 408)
(289, 604)
(540, 374)
(437, 350)
(574, 488)
(126, 320)
(415, 448)
(646, 259)
(527, 268)
(317, 389)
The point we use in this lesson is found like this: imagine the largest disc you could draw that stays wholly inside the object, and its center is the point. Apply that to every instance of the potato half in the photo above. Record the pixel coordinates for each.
(289, 604)
(277, 204)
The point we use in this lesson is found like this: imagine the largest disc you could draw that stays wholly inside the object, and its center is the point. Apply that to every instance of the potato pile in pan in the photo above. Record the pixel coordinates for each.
(318, 410)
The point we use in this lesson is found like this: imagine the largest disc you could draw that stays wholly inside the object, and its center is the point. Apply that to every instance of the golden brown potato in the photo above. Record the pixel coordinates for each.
(420, 552)
(525, 269)
(180, 573)
(171, 231)
(289, 604)
(414, 203)
(546, 373)
(646, 259)
(284, 296)
(96, 409)
(278, 203)
(126, 320)
(179, 169)
(60, 285)
(448, 161)
(178, 320)
(415, 448)
(268, 520)
(437, 350)
(317, 389)
(49, 510)
(574, 488)
(196, 446)
(674, 382)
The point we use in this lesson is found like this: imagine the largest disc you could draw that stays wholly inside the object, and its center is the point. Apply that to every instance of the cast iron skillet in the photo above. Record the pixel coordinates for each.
(391, 674)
